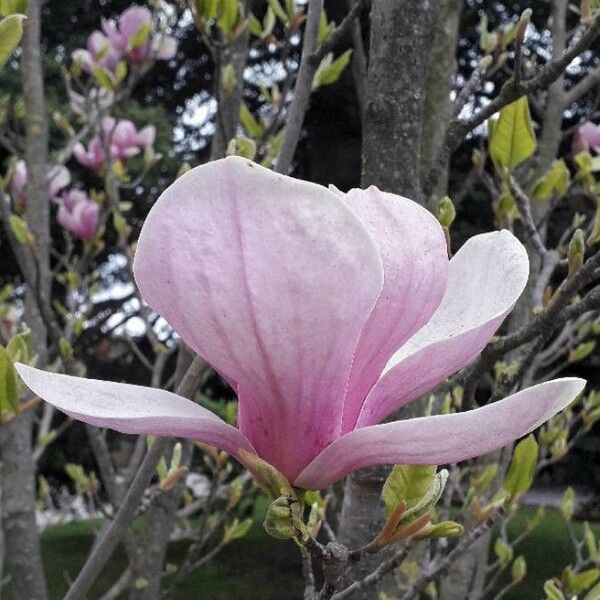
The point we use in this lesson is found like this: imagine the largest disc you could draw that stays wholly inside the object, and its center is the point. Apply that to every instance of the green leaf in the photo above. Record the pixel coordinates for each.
(325, 28)
(578, 582)
(20, 230)
(439, 530)
(269, 21)
(237, 530)
(329, 70)
(522, 467)
(552, 591)
(590, 542)
(594, 593)
(9, 393)
(228, 16)
(10, 7)
(254, 26)
(253, 128)
(446, 212)
(242, 146)
(277, 9)
(11, 30)
(518, 569)
(503, 552)
(104, 78)
(554, 183)
(512, 139)
(581, 351)
(567, 506)
(140, 37)
(417, 485)
(576, 252)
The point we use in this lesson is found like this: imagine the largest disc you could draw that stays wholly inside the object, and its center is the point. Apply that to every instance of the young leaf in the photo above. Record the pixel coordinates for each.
(512, 139)
(518, 569)
(552, 591)
(9, 393)
(140, 37)
(20, 230)
(10, 7)
(567, 506)
(408, 483)
(237, 530)
(329, 70)
(253, 128)
(11, 30)
(522, 467)
(554, 183)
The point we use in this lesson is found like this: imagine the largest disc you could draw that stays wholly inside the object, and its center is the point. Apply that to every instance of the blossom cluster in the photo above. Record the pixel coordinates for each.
(123, 141)
(77, 212)
(132, 38)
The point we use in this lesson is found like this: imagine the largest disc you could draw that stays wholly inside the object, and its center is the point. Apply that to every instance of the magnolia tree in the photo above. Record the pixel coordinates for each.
(373, 361)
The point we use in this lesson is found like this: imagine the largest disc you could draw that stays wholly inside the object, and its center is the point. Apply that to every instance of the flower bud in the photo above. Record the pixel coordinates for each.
(576, 253)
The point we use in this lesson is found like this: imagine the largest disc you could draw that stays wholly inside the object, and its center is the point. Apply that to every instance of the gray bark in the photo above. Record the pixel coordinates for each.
(227, 117)
(17, 475)
(158, 522)
(401, 36)
(440, 74)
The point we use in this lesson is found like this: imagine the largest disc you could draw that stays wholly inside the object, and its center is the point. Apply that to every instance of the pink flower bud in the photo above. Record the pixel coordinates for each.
(79, 215)
(587, 137)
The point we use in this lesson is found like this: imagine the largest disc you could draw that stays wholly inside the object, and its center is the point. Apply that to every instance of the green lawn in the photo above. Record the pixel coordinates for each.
(260, 568)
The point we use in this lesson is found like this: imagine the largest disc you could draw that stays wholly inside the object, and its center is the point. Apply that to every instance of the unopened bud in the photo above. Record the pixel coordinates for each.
(282, 520)
(242, 146)
(446, 212)
(522, 26)
(518, 569)
(576, 253)
(228, 78)
(486, 62)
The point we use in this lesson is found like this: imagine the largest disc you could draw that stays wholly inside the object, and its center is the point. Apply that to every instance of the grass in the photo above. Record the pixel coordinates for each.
(260, 568)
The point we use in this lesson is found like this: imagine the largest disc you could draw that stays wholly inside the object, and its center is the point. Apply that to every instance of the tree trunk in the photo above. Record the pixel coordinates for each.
(17, 475)
(440, 75)
(401, 36)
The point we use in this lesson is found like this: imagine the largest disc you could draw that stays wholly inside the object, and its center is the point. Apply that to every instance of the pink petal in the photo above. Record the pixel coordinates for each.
(146, 136)
(486, 277)
(413, 250)
(58, 177)
(441, 439)
(132, 409)
(271, 280)
(590, 133)
(18, 178)
(133, 19)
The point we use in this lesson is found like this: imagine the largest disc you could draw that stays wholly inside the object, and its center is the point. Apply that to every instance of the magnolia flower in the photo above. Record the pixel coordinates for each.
(157, 46)
(100, 51)
(115, 42)
(79, 215)
(587, 137)
(92, 157)
(326, 312)
(124, 141)
(57, 176)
